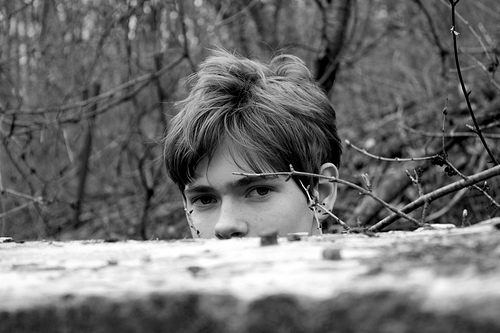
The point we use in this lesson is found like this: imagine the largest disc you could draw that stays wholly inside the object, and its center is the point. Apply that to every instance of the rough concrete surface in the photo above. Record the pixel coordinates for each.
(423, 281)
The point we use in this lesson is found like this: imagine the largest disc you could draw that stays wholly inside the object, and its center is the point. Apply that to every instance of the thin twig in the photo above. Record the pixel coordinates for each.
(191, 223)
(388, 159)
(417, 180)
(450, 165)
(440, 159)
(14, 210)
(38, 200)
(472, 30)
(342, 223)
(441, 192)
(449, 135)
(462, 83)
(492, 201)
(313, 203)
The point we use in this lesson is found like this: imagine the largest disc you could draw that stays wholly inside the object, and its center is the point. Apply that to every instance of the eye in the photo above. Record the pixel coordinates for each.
(203, 200)
(260, 191)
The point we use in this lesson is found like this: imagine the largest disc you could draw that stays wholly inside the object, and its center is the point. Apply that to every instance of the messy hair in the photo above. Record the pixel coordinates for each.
(274, 114)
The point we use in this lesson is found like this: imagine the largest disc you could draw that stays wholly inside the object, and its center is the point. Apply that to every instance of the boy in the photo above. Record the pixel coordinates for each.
(247, 116)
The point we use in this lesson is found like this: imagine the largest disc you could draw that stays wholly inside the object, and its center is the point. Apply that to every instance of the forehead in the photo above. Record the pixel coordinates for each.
(217, 170)
(224, 161)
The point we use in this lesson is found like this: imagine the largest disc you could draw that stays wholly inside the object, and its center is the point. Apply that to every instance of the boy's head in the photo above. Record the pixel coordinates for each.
(247, 116)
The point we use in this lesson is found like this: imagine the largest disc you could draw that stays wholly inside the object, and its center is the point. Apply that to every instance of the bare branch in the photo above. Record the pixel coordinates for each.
(15, 209)
(441, 192)
(395, 159)
(462, 84)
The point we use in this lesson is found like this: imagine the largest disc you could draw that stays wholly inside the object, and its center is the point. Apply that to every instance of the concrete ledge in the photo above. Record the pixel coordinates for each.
(429, 281)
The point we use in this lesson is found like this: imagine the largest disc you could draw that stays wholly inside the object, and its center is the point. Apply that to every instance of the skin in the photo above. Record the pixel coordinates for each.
(225, 205)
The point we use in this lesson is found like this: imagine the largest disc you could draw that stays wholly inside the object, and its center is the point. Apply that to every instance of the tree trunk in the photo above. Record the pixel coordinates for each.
(335, 16)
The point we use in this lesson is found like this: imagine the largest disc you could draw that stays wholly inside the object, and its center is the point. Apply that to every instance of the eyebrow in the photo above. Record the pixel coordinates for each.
(245, 181)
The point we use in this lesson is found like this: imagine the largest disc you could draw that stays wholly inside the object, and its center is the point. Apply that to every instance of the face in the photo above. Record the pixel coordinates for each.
(223, 205)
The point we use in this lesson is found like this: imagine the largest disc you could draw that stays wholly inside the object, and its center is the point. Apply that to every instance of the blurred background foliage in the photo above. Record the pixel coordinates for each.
(87, 88)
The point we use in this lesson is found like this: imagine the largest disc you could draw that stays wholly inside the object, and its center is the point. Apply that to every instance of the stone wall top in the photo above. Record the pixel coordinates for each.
(430, 280)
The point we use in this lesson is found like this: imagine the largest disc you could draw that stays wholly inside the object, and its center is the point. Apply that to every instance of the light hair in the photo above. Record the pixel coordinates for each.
(273, 113)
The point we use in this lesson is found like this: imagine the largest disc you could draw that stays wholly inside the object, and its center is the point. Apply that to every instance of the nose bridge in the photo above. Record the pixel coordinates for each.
(230, 222)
